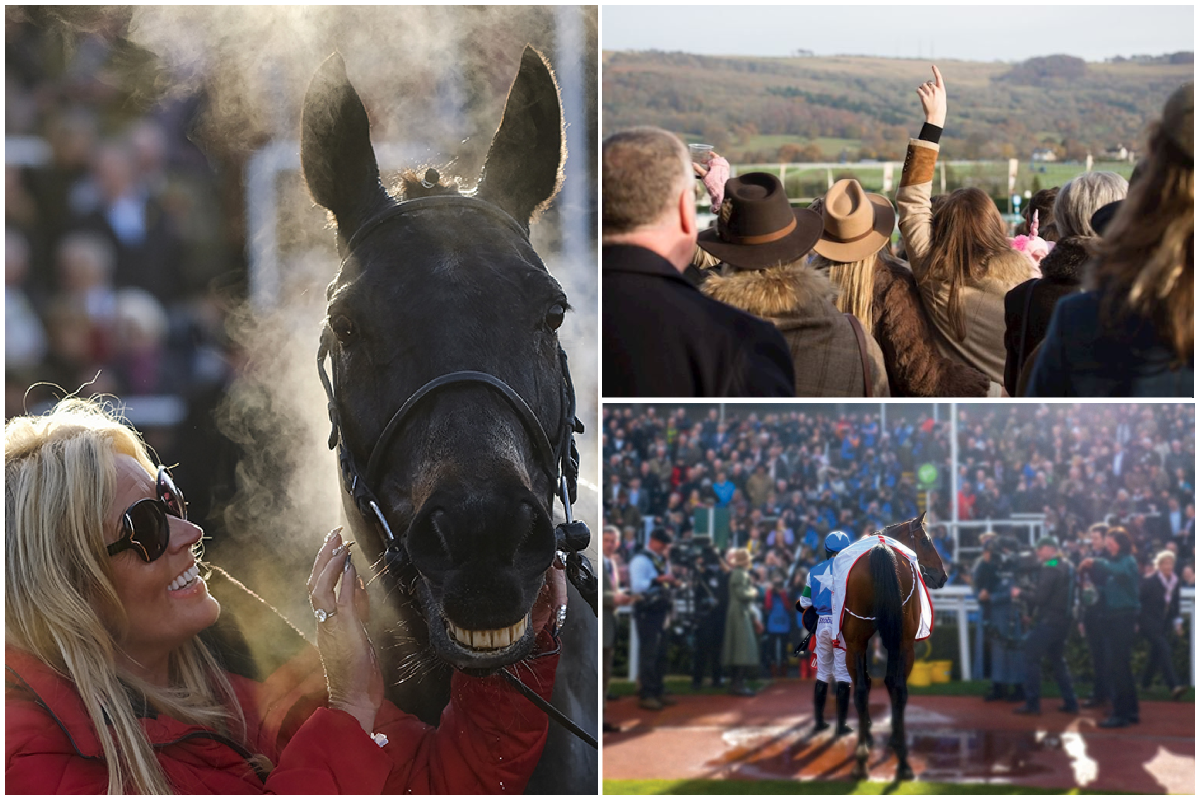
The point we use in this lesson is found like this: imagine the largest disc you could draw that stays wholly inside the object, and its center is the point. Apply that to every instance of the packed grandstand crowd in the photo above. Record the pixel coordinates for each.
(122, 240)
(788, 478)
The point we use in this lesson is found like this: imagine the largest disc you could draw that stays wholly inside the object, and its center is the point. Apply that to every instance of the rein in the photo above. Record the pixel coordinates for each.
(559, 461)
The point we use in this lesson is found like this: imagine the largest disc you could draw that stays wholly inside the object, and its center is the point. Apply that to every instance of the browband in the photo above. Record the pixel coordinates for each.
(440, 201)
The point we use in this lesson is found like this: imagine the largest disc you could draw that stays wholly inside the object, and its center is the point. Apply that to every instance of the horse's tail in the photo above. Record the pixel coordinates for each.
(888, 618)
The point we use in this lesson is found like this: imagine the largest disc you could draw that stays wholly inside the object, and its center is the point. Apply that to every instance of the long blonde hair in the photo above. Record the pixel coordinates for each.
(59, 482)
(856, 286)
(1145, 262)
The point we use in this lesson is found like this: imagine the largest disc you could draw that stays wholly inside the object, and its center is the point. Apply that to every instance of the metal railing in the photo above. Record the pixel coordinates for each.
(960, 601)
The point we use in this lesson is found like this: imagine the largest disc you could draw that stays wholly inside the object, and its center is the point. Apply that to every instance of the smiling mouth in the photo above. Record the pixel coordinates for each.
(479, 650)
(185, 579)
(488, 641)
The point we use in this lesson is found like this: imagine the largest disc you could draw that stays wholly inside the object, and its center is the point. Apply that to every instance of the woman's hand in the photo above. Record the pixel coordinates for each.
(351, 670)
(933, 99)
(552, 597)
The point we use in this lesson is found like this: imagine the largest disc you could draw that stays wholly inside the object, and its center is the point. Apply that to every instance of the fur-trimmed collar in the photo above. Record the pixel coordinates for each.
(772, 293)
(1064, 264)
(1008, 269)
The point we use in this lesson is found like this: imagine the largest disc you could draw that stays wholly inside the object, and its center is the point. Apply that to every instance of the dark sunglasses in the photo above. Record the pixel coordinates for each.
(145, 525)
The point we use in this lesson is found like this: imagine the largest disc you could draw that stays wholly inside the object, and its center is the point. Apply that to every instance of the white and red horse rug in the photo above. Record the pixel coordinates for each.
(846, 559)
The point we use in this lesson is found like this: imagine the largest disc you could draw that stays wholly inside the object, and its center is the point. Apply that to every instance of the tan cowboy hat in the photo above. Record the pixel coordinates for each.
(856, 224)
(757, 227)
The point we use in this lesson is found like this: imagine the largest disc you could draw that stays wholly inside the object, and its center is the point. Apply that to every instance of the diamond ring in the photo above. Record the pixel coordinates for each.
(322, 615)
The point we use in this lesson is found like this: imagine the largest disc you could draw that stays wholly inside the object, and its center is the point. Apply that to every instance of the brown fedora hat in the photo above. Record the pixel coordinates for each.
(757, 227)
(856, 224)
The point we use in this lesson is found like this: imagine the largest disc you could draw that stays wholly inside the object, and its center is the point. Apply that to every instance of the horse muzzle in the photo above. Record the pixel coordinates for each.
(481, 562)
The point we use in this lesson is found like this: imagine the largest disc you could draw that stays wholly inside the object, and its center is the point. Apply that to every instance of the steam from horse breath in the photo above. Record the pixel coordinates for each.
(433, 78)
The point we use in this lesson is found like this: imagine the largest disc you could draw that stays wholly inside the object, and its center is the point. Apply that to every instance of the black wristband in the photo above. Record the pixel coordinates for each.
(930, 133)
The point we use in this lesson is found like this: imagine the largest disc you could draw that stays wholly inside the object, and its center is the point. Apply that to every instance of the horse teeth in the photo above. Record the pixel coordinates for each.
(488, 640)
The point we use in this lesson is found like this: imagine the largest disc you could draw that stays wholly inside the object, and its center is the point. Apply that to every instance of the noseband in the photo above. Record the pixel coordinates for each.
(560, 461)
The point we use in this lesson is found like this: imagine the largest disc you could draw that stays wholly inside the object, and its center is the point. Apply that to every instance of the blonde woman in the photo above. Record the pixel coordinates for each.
(960, 255)
(1132, 333)
(740, 651)
(109, 688)
(881, 292)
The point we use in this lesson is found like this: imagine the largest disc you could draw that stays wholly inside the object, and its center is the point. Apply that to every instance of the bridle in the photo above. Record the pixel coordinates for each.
(559, 458)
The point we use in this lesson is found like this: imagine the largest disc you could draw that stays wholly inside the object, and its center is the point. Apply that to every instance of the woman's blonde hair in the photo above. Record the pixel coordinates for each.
(1164, 555)
(59, 483)
(1146, 260)
(738, 556)
(856, 286)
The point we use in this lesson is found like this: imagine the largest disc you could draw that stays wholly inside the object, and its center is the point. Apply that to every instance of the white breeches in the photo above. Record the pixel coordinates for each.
(830, 662)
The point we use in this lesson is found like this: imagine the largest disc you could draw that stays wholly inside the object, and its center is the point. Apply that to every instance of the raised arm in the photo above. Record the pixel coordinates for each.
(916, 181)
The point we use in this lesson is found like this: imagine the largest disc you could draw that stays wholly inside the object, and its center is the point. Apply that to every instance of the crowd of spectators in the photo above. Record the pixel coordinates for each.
(120, 258)
(777, 482)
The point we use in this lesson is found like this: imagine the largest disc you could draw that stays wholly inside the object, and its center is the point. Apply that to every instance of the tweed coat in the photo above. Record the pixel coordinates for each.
(799, 301)
(740, 648)
(983, 299)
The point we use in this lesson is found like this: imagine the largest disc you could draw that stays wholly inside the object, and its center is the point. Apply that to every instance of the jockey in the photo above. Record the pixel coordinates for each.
(818, 616)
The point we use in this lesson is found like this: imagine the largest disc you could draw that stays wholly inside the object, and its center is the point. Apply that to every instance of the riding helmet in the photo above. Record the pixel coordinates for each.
(836, 542)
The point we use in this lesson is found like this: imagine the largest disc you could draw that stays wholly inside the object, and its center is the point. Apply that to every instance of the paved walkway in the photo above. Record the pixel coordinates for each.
(953, 739)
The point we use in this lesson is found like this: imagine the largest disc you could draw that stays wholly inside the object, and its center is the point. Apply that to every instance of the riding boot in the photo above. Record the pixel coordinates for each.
(843, 709)
(998, 692)
(820, 692)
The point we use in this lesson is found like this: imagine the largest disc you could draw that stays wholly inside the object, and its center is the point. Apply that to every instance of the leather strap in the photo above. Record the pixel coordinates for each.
(862, 353)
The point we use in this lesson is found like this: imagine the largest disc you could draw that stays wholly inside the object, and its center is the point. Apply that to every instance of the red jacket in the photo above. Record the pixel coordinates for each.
(489, 738)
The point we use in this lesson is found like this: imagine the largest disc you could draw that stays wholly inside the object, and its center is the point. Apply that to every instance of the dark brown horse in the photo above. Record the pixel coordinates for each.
(882, 595)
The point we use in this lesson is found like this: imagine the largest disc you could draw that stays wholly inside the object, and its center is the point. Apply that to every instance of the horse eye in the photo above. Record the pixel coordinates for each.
(342, 327)
(554, 317)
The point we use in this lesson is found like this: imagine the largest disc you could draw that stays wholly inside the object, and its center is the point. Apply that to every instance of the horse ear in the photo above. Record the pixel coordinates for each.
(523, 170)
(921, 519)
(335, 148)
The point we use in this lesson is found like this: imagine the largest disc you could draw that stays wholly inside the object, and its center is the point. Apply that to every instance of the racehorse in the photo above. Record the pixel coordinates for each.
(882, 595)
(451, 404)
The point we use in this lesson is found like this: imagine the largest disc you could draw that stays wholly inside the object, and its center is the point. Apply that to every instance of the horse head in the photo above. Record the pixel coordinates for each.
(913, 535)
(448, 392)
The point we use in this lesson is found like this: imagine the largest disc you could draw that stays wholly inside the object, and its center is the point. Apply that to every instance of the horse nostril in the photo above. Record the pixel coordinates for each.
(429, 540)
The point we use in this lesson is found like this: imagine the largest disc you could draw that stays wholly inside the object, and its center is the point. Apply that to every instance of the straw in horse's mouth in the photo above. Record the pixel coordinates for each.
(488, 640)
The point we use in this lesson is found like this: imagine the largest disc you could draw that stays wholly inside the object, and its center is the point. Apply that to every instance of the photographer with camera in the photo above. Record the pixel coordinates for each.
(651, 581)
(994, 580)
(710, 596)
(1049, 607)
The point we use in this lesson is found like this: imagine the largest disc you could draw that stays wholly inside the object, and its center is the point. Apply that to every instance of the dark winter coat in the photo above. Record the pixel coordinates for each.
(1156, 614)
(489, 740)
(1062, 274)
(799, 301)
(663, 338)
(1083, 357)
(915, 365)
(1051, 600)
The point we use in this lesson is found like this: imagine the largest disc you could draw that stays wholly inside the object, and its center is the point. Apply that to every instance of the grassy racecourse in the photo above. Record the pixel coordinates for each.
(738, 787)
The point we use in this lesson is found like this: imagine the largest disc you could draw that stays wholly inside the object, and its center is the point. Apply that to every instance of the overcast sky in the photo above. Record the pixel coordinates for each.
(979, 33)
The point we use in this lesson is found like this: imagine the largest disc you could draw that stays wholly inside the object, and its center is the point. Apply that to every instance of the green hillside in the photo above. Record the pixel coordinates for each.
(823, 108)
